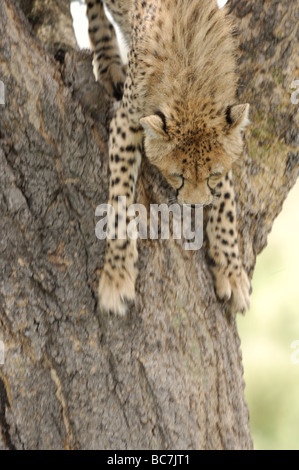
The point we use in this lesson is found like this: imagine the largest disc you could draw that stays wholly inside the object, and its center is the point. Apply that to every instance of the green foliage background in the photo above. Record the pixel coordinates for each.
(267, 332)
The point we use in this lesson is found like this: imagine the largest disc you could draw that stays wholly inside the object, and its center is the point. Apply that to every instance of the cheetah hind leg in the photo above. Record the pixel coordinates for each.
(107, 63)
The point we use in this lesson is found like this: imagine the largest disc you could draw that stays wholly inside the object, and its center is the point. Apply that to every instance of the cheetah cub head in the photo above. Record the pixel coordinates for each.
(194, 154)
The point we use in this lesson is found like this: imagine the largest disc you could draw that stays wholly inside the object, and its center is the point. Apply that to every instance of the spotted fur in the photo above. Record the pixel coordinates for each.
(179, 103)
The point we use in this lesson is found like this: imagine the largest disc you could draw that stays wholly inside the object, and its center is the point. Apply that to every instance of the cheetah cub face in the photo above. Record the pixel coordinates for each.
(194, 156)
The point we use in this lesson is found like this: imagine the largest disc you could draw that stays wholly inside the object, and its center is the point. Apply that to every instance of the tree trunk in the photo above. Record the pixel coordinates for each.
(169, 375)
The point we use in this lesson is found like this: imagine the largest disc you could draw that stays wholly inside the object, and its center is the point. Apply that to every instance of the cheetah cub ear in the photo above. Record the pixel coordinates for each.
(238, 117)
(155, 126)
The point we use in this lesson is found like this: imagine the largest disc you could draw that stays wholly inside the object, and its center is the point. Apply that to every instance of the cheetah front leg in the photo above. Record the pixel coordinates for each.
(231, 281)
(117, 283)
(107, 64)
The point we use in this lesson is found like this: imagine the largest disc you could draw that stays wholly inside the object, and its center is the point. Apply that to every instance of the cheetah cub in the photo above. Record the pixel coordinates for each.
(178, 104)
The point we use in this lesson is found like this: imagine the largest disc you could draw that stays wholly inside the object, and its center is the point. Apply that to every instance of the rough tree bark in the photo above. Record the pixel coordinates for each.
(170, 374)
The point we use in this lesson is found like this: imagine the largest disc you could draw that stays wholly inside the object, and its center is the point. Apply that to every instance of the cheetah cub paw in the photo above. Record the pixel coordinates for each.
(116, 291)
(234, 289)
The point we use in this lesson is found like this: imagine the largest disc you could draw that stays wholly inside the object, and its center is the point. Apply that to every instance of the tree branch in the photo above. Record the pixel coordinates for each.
(269, 63)
(52, 23)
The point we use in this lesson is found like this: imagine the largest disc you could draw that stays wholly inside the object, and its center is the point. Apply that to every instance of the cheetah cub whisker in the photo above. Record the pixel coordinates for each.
(178, 105)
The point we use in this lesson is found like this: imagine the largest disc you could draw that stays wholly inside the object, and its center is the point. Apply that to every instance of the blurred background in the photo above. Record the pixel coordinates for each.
(270, 328)
(271, 369)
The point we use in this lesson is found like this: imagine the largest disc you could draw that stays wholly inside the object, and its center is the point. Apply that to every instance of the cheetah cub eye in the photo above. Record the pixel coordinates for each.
(214, 179)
